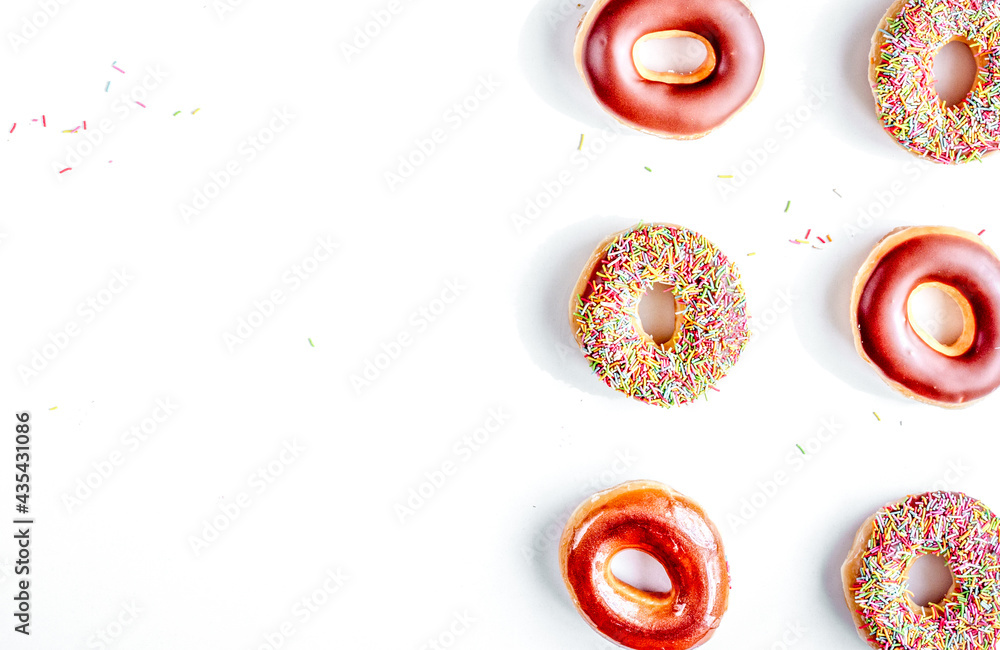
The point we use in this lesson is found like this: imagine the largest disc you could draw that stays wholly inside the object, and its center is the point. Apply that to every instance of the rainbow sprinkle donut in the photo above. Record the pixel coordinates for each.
(951, 525)
(710, 328)
(902, 78)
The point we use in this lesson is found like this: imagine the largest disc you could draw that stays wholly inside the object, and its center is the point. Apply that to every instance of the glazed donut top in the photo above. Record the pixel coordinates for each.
(953, 526)
(902, 78)
(651, 517)
(916, 256)
(604, 313)
(605, 59)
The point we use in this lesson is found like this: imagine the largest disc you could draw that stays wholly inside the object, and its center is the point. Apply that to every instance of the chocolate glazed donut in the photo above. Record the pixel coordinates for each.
(665, 524)
(910, 360)
(671, 105)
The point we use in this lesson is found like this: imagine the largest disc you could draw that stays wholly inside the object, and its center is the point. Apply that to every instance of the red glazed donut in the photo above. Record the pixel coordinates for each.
(652, 518)
(671, 105)
(907, 358)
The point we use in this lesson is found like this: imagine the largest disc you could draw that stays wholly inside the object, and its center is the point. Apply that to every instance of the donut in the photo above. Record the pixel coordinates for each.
(668, 104)
(957, 528)
(910, 360)
(711, 324)
(901, 73)
(673, 529)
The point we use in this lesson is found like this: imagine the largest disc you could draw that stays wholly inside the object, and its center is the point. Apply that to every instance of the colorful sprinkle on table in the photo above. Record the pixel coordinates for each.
(13, 127)
(43, 121)
(53, 408)
(751, 254)
(836, 192)
(141, 104)
(195, 111)
(311, 343)
(580, 146)
(801, 449)
(648, 169)
(117, 68)
(177, 113)
(876, 416)
(788, 205)
(65, 170)
(106, 87)
(725, 175)
(979, 235)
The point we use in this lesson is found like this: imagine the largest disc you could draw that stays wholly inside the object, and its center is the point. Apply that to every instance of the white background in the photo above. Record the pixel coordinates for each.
(484, 543)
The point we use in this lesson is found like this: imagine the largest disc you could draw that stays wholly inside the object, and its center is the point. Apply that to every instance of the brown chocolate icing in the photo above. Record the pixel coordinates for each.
(650, 517)
(679, 110)
(891, 343)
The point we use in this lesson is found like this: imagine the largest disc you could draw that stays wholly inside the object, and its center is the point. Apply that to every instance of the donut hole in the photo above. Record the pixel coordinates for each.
(641, 570)
(658, 313)
(955, 71)
(941, 317)
(679, 55)
(929, 580)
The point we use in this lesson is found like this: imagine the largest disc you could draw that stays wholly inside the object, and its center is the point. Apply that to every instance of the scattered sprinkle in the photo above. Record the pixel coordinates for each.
(580, 146)
(177, 113)
(311, 343)
(117, 68)
(195, 111)
(876, 416)
(725, 175)
(836, 192)
(43, 121)
(85, 125)
(751, 254)
(808, 232)
(53, 408)
(65, 170)
(13, 127)
(979, 235)
(106, 87)
(801, 449)
(788, 205)
(141, 104)
(648, 169)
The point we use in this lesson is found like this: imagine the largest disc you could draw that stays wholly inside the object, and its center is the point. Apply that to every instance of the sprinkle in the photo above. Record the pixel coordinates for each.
(311, 343)
(795, 241)
(979, 235)
(141, 104)
(66, 170)
(829, 238)
(801, 449)
(177, 113)
(788, 205)
(751, 254)
(648, 169)
(876, 416)
(106, 87)
(808, 232)
(725, 175)
(85, 125)
(195, 111)
(43, 121)
(836, 192)
(53, 408)
(711, 338)
(117, 68)
(821, 239)
(13, 127)
(580, 146)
